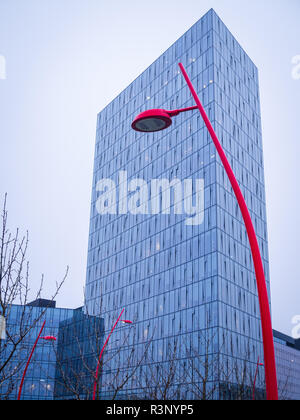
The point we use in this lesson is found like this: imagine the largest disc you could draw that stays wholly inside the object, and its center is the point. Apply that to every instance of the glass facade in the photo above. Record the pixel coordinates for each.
(40, 377)
(80, 339)
(193, 284)
(287, 352)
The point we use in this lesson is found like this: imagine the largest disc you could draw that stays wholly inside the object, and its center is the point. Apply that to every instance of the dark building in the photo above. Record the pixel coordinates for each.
(80, 339)
(43, 303)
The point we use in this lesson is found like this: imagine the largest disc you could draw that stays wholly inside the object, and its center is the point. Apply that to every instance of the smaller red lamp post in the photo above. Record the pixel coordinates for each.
(255, 377)
(124, 321)
(47, 338)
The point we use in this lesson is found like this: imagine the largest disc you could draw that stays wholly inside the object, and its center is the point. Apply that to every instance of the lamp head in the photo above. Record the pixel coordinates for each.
(152, 120)
(49, 338)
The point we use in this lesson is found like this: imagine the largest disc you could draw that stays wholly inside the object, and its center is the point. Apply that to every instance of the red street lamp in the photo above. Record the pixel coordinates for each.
(156, 120)
(124, 321)
(48, 338)
(255, 377)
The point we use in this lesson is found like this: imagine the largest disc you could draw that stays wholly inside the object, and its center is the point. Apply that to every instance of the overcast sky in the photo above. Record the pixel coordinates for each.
(66, 59)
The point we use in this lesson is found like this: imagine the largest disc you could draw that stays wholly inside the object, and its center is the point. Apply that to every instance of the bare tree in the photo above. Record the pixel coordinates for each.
(187, 369)
(196, 368)
(162, 380)
(240, 377)
(285, 383)
(77, 355)
(15, 290)
(121, 366)
(202, 367)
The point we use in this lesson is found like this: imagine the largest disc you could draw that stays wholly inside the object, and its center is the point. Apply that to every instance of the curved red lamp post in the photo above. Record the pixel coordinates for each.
(124, 321)
(48, 338)
(157, 120)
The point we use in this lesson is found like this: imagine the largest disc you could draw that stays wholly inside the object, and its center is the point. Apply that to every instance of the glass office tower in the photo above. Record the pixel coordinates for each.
(187, 283)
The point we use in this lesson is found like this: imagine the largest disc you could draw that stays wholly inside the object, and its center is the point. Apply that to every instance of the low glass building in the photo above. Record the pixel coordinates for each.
(287, 352)
(62, 369)
(40, 377)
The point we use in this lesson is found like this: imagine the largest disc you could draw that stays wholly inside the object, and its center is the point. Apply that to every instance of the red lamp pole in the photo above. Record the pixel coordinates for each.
(28, 361)
(269, 353)
(103, 348)
(255, 377)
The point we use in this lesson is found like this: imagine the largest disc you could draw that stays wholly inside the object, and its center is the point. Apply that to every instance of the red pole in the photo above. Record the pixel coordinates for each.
(28, 361)
(255, 377)
(103, 348)
(269, 353)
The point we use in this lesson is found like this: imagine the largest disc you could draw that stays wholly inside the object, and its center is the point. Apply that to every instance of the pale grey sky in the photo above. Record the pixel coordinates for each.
(66, 59)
